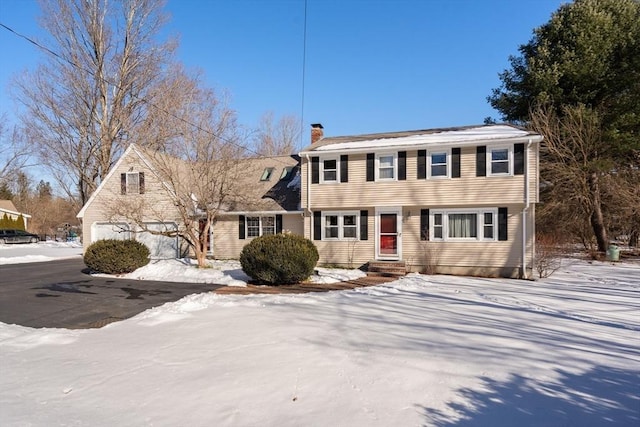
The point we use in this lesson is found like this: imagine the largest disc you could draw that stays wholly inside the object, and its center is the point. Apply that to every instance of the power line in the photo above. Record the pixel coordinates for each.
(304, 67)
(162, 110)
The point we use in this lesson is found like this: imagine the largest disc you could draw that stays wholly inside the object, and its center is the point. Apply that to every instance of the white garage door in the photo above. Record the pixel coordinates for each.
(160, 246)
(102, 231)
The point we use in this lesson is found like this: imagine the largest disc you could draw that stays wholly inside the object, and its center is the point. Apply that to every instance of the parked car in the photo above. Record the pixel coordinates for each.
(17, 236)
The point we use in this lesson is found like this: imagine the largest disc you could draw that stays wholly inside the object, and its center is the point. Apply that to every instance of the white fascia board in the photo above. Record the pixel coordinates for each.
(382, 147)
(260, 213)
(15, 213)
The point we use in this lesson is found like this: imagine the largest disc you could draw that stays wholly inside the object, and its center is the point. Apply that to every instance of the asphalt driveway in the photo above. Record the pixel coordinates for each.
(60, 294)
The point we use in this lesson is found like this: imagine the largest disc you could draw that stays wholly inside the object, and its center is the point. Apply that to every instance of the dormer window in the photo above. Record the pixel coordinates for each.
(266, 175)
(286, 172)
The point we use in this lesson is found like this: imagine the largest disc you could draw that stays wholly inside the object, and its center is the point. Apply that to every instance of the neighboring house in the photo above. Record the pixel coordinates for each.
(7, 207)
(458, 200)
(461, 200)
(135, 179)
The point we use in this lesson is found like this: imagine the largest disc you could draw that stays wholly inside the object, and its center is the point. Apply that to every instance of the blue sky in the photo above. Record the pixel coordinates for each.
(371, 65)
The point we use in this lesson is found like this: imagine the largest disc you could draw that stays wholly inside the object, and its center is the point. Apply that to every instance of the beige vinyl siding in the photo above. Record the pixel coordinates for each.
(226, 241)
(468, 190)
(155, 202)
(347, 253)
(468, 256)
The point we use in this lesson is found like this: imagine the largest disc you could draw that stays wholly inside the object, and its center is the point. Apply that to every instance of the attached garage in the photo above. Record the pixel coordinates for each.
(105, 230)
(163, 247)
(160, 247)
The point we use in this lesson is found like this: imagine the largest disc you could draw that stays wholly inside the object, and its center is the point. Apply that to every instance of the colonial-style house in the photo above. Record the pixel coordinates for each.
(457, 200)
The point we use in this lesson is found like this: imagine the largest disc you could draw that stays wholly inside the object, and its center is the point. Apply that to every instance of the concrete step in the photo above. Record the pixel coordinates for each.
(387, 268)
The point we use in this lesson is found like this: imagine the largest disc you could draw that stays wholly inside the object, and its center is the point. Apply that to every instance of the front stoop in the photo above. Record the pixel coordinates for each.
(387, 268)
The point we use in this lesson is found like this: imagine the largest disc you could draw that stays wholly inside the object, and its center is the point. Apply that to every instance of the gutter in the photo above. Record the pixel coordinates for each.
(259, 213)
(525, 210)
(308, 208)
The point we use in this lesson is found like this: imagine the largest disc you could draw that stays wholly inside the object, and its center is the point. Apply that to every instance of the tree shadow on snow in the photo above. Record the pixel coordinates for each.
(603, 396)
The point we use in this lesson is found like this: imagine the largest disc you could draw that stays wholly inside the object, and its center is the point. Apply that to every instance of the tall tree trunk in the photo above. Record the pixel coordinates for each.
(597, 219)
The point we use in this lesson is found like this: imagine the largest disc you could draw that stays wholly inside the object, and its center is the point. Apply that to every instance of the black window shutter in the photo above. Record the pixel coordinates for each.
(141, 182)
(344, 168)
(481, 160)
(315, 170)
(502, 223)
(123, 183)
(422, 164)
(317, 225)
(370, 167)
(364, 225)
(241, 227)
(424, 224)
(402, 165)
(278, 224)
(455, 163)
(518, 159)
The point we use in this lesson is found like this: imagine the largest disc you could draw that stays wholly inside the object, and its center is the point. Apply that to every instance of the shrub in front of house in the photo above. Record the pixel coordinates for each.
(279, 259)
(116, 256)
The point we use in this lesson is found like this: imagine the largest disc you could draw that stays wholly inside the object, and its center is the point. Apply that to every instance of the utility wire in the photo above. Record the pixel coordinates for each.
(304, 67)
(162, 110)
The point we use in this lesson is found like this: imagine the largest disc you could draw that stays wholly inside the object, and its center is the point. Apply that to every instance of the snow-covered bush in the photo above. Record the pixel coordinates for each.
(279, 259)
(116, 256)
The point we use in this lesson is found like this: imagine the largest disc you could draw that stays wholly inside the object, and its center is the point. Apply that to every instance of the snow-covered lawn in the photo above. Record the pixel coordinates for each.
(38, 252)
(423, 350)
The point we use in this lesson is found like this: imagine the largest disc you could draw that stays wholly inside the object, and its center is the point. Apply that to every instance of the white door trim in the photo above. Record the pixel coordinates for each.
(397, 210)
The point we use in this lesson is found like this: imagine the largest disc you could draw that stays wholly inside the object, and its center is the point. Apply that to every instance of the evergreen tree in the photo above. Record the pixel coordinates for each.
(19, 223)
(581, 68)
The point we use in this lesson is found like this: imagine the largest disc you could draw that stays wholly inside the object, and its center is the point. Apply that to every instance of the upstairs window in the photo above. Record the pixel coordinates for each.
(266, 175)
(132, 183)
(330, 170)
(438, 164)
(386, 167)
(499, 160)
(286, 172)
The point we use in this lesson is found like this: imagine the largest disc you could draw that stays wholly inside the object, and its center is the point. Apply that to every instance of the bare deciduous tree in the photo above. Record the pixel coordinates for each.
(574, 163)
(84, 104)
(203, 171)
(277, 138)
(14, 153)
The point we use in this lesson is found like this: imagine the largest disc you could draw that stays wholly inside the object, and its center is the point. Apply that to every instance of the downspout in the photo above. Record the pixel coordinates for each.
(309, 196)
(523, 274)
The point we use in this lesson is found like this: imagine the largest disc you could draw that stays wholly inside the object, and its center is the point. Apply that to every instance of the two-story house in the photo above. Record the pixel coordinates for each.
(461, 199)
(458, 200)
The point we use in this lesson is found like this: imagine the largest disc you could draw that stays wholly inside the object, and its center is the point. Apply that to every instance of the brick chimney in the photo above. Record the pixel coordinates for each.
(316, 132)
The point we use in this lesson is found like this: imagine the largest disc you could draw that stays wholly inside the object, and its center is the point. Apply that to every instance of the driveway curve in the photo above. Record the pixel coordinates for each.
(60, 294)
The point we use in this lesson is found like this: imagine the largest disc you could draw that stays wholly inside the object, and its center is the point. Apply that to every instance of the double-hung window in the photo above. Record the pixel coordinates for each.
(438, 164)
(132, 183)
(499, 160)
(386, 170)
(260, 225)
(340, 225)
(329, 171)
(458, 224)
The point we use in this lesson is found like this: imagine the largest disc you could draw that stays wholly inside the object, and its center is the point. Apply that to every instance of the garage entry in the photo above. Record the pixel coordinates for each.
(160, 247)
